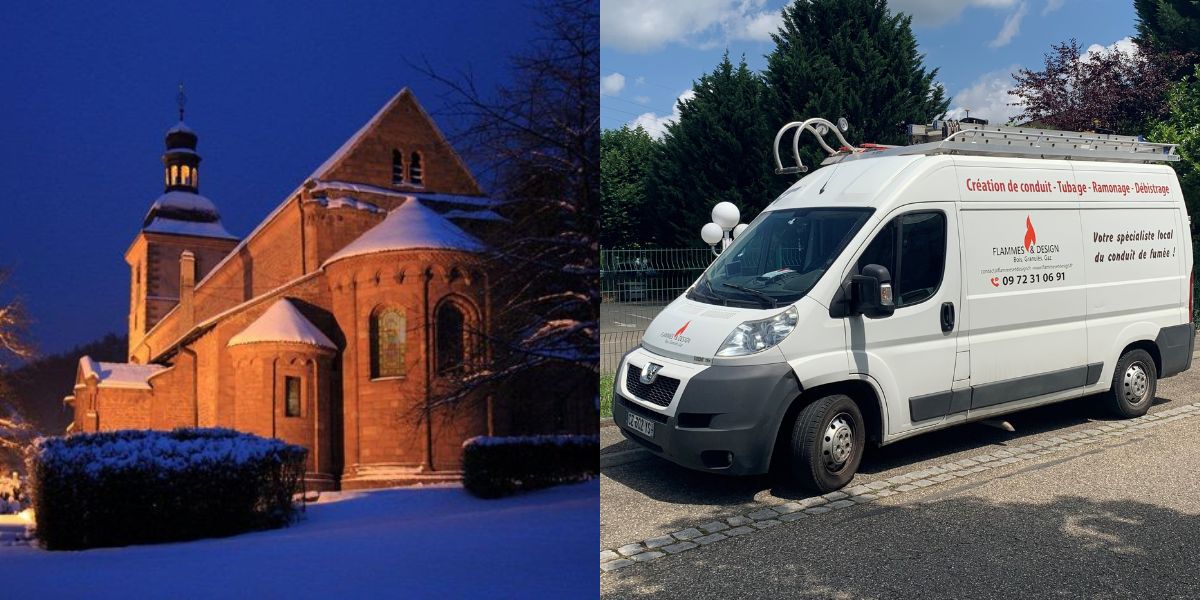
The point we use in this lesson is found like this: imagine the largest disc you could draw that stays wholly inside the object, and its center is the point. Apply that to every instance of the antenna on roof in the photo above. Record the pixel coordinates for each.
(181, 100)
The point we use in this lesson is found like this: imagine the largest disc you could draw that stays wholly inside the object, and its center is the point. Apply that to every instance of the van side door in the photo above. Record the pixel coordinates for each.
(911, 353)
(1025, 302)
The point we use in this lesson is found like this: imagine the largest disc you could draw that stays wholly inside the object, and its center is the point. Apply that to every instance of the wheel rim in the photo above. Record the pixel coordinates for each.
(838, 442)
(1135, 386)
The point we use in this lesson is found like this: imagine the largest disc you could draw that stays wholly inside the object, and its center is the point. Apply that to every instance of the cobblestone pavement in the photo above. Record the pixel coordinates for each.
(652, 511)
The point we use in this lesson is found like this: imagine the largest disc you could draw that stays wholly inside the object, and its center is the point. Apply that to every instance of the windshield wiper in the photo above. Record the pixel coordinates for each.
(712, 294)
(770, 301)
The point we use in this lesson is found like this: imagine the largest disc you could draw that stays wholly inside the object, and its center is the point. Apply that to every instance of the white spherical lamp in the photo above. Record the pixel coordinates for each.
(711, 234)
(739, 229)
(726, 215)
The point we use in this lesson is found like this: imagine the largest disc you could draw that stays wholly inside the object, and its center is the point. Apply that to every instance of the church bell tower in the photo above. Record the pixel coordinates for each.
(181, 240)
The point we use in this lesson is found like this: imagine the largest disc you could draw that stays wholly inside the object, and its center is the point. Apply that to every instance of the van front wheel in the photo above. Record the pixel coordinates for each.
(828, 438)
(1134, 384)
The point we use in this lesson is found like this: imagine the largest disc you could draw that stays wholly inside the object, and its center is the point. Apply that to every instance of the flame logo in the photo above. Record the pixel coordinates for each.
(682, 329)
(1030, 234)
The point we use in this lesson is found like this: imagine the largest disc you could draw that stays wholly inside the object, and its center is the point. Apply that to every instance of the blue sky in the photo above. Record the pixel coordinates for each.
(652, 50)
(273, 88)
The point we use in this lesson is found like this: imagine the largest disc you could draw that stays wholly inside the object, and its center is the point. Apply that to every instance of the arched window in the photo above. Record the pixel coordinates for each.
(451, 339)
(185, 175)
(414, 169)
(196, 177)
(174, 174)
(397, 167)
(387, 343)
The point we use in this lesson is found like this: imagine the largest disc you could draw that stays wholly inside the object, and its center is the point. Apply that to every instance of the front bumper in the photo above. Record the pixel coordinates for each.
(722, 419)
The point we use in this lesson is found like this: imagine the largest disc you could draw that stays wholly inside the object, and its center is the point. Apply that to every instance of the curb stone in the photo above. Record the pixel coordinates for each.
(766, 517)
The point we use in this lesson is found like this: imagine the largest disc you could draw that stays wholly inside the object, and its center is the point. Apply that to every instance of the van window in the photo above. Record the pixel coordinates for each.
(919, 239)
(780, 257)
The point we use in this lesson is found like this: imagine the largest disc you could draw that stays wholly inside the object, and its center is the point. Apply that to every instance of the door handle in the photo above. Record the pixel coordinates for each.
(947, 316)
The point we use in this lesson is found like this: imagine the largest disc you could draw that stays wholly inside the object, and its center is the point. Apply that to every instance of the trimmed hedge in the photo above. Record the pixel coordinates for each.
(499, 466)
(134, 487)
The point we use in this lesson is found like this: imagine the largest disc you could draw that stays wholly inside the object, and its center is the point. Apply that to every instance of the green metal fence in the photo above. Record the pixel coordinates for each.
(635, 285)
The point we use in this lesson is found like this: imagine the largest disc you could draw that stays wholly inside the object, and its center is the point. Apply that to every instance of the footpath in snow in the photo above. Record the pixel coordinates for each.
(410, 542)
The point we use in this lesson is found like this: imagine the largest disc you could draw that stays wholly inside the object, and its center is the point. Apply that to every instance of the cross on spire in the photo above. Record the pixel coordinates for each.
(181, 100)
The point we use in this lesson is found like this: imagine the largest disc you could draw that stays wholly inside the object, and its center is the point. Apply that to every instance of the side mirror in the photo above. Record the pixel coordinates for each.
(871, 292)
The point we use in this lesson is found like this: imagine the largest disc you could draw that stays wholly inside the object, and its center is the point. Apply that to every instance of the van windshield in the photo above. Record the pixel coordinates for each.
(780, 257)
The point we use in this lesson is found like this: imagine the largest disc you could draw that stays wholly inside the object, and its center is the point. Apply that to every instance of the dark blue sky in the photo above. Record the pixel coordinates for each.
(273, 89)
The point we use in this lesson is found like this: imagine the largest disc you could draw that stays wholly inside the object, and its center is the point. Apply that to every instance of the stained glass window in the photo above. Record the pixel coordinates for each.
(291, 387)
(387, 343)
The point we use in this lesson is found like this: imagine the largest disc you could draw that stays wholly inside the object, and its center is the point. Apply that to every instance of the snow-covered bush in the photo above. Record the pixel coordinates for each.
(499, 466)
(130, 487)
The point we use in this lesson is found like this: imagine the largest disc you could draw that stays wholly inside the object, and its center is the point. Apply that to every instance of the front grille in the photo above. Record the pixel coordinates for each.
(660, 392)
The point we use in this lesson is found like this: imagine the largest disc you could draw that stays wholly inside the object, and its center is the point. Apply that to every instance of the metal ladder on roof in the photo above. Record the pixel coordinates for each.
(954, 137)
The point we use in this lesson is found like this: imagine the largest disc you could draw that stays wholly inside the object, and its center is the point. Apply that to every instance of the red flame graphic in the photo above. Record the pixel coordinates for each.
(682, 329)
(1030, 235)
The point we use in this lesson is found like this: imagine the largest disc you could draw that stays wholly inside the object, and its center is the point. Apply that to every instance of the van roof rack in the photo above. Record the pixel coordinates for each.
(957, 137)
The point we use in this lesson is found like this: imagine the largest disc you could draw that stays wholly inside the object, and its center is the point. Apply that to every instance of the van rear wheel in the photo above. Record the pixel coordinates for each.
(1134, 384)
(827, 443)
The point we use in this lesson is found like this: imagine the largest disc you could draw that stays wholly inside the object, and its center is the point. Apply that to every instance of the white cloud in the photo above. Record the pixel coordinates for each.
(987, 98)
(1124, 45)
(647, 25)
(1051, 6)
(655, 125)
(612, 84)
(934, 13)
(642, 99)
(641, 80)
(1011, 27)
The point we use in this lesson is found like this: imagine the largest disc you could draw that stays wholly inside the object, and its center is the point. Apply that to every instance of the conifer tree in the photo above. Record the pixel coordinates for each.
(718, 150)
(1168, 26)
(853, 59)
(625, 155)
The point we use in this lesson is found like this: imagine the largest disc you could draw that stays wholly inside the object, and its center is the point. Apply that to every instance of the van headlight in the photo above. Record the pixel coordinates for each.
(756, 336)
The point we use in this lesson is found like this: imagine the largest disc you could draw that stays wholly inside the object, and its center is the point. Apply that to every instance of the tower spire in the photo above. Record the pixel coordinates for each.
(181, 100)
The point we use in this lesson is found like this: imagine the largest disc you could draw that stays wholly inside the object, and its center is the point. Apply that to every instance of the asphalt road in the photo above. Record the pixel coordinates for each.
(1113, 519)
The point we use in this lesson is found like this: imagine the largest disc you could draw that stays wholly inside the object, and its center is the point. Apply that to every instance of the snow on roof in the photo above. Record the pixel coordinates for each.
(282, 323)
(175, 227)
(456, 199)
(411, 225)
(346, 186)
(118, 375)
(347, 202)
(183, 200)
(475, 215)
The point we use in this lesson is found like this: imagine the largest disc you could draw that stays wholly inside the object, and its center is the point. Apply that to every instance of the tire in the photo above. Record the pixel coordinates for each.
(1134, 384)
(827, 443)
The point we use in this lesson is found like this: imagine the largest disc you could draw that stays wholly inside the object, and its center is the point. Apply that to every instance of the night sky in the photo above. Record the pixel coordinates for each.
(272, 90)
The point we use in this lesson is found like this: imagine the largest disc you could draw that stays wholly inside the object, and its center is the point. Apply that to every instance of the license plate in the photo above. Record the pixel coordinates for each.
(640, 424)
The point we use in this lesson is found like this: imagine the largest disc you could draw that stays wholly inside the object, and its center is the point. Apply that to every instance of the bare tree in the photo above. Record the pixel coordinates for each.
(540, 136)
(15, 431)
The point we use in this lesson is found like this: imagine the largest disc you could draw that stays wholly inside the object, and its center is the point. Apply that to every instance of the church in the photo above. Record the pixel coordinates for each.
(335, 324)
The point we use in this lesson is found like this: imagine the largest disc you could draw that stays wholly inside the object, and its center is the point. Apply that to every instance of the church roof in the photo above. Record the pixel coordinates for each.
(118, 375)
(212, 229)
(282, 323)
(410, 226)
(181, 212)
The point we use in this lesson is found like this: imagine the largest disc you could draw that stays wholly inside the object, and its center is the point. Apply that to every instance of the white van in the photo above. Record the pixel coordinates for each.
(903, 290)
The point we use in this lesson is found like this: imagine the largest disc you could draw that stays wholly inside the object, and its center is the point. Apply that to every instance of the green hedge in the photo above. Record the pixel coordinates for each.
(134, 487)
(500, 466)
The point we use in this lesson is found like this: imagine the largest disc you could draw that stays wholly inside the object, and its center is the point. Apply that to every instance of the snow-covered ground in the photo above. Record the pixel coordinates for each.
(398, 543)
